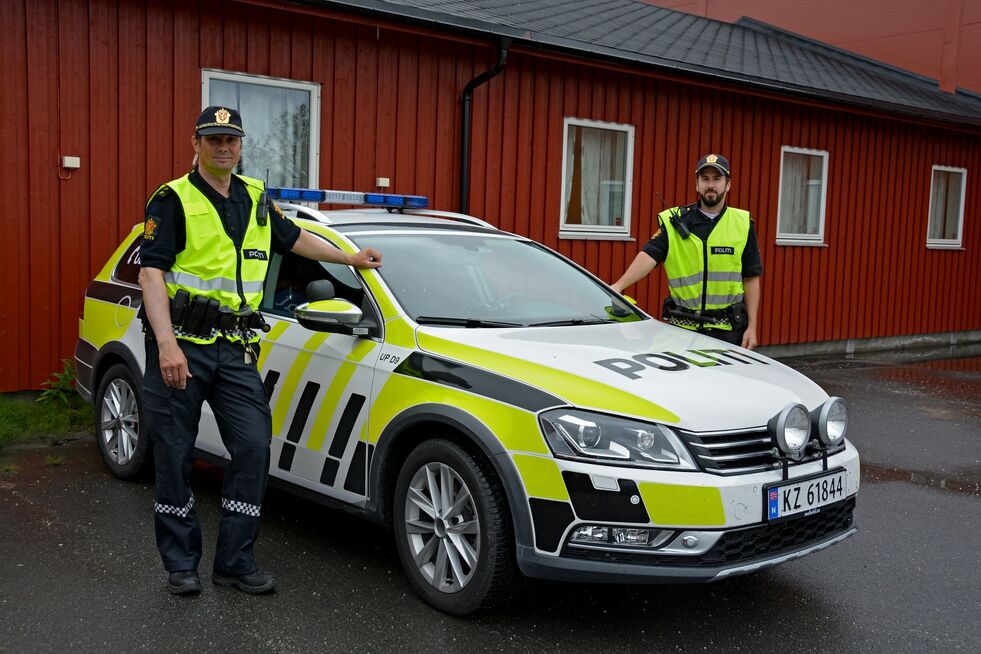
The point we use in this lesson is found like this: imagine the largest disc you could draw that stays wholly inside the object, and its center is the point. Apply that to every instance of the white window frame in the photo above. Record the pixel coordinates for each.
(947, 243)
(313, 165)
(598, 232)
(792, 238)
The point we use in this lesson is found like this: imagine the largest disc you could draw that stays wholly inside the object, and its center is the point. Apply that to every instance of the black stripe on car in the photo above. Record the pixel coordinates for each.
(624, 505)
(345, 425)
(551, 519)
(476, 381)
(359, 463)
(114, 293)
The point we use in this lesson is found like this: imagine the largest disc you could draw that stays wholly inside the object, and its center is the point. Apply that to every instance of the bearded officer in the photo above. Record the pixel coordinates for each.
(711, 258)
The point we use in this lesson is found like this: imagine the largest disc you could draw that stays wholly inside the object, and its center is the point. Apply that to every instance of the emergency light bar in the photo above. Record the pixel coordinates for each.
(322, 196)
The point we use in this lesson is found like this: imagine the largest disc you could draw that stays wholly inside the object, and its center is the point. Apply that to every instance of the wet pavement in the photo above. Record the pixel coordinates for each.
(78, 569)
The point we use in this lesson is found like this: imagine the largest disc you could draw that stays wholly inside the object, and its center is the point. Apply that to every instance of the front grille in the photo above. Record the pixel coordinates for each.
(742, 452)
(742, 545)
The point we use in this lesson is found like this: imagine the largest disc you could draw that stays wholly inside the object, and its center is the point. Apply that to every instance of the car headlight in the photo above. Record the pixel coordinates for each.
(830, 421)
(599, 438)
(791, 429)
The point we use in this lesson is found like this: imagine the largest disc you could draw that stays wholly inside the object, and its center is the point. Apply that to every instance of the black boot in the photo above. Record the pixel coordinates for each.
(256, 583)
(184, 582)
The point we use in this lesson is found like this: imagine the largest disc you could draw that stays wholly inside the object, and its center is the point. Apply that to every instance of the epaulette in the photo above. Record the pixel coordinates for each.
(162, 191)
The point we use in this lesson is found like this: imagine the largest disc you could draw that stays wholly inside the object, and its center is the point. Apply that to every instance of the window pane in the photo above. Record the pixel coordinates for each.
(595, 179)
(945, 205)
(801, 191)
(277, 127)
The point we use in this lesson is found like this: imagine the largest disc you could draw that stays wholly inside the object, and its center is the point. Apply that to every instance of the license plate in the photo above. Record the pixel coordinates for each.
(793, 497)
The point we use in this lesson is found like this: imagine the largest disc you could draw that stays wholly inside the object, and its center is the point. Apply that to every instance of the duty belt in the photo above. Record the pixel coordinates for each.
(732, 316)
(201, 317)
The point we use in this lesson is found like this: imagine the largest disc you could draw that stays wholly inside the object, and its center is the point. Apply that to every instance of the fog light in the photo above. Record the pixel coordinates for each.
(631, 536)
(591, 534)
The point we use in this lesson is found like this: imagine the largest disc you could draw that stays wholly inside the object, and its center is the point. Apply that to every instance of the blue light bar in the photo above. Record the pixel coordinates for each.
(389, 200)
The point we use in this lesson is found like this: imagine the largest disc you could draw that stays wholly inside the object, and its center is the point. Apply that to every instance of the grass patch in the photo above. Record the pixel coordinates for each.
(22, 420)
(53, 460)
(8, 469)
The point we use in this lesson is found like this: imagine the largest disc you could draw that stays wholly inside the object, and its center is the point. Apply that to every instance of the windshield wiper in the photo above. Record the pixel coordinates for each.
(571, 321)
(464, 322)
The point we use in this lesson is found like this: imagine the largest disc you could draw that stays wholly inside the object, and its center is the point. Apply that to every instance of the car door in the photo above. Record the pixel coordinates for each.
(317, 383)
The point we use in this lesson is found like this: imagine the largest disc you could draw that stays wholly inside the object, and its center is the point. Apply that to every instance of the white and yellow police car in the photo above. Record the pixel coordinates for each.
(504, 411)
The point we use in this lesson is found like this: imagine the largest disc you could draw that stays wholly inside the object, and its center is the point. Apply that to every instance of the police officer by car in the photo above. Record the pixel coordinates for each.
(712, 260)
(208, 237)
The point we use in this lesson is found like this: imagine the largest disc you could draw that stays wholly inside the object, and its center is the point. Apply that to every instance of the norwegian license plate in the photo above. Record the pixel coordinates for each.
(793, 497)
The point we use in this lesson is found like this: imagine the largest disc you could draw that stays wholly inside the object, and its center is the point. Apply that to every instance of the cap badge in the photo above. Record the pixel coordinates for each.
(222, 116)
(709, 159)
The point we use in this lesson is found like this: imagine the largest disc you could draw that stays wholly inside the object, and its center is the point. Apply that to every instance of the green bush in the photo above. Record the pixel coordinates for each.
(23, 420)
(61, 385)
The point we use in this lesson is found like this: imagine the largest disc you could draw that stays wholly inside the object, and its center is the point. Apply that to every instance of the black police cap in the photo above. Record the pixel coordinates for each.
(714, 161)
(219, 120)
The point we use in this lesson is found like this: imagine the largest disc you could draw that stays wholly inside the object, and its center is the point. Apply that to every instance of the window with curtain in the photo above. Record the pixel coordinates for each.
(803, 189)
(597, 175)
(946, 207)
(281, 120)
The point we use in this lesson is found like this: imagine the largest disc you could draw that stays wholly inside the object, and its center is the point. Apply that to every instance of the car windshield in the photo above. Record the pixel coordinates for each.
(466, 279)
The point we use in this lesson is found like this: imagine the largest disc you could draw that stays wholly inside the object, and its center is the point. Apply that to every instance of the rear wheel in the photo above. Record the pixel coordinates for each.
(119, 428)
(453, 530)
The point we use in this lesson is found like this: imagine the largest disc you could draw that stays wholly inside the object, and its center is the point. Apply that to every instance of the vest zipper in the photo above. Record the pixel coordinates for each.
(705, 272)
(238, 274)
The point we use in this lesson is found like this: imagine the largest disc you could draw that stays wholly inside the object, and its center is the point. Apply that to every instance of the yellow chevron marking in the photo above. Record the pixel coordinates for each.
(541, 477)
(292, 380)
(318, 433)
(683, 506)
(579, 391)
(268, 340)
(399, 333)
(516, 428)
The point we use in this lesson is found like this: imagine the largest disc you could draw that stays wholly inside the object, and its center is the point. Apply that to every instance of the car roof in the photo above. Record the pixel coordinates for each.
(345, 219)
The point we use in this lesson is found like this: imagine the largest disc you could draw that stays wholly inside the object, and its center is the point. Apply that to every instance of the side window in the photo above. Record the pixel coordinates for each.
(597, 178)
(803, 189)
(946, 207)
(128, 269)
(289, 276)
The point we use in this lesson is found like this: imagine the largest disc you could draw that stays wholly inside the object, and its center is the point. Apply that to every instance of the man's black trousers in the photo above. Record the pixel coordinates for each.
(234, 391)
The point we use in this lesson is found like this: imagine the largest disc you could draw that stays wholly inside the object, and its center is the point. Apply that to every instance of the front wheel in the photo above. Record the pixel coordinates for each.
(453, 529)
(123, 441)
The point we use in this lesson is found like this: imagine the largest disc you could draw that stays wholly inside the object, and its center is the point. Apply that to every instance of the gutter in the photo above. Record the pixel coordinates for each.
(466, 119)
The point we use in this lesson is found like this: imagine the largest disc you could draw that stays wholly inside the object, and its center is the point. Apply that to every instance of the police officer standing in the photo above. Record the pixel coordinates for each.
(711, 258)
(207, 241)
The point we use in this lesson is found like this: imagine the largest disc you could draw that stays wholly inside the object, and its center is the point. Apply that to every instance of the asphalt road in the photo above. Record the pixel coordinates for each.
(78, 568)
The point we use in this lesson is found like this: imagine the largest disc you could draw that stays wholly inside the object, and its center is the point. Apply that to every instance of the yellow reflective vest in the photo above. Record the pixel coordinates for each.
(707, 275)
(210, 263)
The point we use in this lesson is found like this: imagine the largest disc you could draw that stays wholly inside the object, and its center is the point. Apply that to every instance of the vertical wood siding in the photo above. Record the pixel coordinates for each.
(119, 84)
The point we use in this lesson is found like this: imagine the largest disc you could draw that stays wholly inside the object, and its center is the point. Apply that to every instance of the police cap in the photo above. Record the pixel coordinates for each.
(714, 161)
(219, 120)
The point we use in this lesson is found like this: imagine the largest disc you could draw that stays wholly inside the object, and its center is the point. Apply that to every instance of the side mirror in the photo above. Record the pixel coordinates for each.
(336, 316)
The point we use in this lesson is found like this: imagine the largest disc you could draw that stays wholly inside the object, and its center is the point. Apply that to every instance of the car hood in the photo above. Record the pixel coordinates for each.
(645, 369)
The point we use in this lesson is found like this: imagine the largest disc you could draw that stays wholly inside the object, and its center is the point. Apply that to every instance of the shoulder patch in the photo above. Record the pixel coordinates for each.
(150, 226)
(277, 210)
(657, 233)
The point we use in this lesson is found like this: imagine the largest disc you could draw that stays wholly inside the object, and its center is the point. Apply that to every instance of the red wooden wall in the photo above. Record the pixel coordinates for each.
(119, 85)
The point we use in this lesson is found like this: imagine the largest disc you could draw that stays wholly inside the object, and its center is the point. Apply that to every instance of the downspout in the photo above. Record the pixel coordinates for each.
(502, 58)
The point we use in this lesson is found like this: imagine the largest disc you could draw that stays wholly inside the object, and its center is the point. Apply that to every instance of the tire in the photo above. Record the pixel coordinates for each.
(119, 426)
(463, 561)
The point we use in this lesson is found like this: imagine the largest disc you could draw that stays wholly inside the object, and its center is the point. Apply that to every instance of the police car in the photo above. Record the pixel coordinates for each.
(504, 411)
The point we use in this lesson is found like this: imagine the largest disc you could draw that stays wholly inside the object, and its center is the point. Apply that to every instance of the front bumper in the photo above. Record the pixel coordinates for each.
(736, 551)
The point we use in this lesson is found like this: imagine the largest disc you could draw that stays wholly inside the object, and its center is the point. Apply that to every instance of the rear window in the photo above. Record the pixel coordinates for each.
(128, 269)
